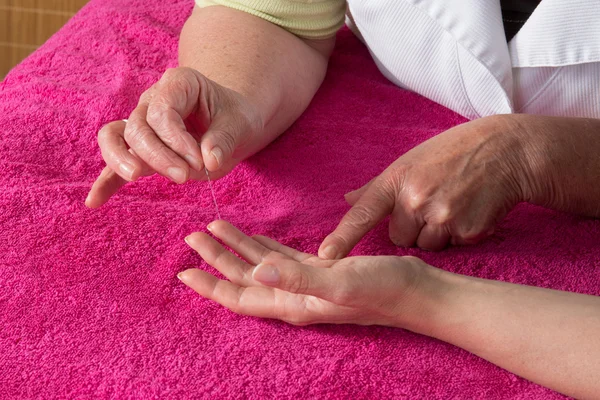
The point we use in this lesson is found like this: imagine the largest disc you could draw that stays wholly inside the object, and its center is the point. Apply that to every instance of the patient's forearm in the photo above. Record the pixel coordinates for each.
(547, 336)
(275, 70)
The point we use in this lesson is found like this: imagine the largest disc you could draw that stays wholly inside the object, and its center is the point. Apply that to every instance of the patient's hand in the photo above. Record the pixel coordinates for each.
(181, 124)
(504, 323)
(275, 281)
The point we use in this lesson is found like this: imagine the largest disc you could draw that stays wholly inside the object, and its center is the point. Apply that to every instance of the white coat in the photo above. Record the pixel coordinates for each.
(454, 52)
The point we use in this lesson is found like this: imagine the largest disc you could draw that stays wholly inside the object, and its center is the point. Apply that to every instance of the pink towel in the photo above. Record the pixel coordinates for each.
(90, 306)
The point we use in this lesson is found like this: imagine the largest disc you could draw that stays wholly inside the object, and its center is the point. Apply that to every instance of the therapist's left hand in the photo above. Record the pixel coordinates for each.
(453, 188)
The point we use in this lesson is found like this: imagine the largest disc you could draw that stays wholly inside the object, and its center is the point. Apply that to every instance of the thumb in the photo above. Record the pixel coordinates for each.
(373, 206)
(295, 277)
(221, 140)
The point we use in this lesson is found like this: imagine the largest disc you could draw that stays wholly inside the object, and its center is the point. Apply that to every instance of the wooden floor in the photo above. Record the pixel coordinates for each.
(26, 24)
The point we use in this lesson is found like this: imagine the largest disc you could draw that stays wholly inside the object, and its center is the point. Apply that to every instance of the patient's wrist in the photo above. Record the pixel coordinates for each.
(431, 301)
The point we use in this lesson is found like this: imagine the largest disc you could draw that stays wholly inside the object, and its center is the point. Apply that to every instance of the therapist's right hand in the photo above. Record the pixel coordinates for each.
(452, 189)
(181, 124)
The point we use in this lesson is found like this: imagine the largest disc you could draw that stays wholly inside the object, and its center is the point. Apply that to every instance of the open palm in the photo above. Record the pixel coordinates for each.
(276, 281)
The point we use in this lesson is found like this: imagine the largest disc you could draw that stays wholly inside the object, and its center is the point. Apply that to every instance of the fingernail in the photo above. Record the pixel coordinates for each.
(266, 274)
(177, 174)
(330, 252)
(127, 170)
(180, 276)
(210, 226)
(187, 239)
(217, 153)
(193, 161)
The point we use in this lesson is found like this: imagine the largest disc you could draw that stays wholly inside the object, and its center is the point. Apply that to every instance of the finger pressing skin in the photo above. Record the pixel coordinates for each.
(251, 250)
(107, 184)
(235, 269)
(174, 98)
(433, 237)
(374, 205)
(298, 278)
(115, 153)
(143, 140)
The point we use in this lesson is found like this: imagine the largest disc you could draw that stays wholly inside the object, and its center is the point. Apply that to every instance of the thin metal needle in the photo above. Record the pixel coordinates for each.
(212, 190)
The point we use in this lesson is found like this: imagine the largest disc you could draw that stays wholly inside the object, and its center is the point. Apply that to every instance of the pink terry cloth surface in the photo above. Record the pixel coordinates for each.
(90, 306)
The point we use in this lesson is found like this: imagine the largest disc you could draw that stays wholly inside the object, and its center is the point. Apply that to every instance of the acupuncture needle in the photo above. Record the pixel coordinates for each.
(212, 190)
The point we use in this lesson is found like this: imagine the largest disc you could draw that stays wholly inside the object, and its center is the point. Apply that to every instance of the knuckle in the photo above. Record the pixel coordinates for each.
(103, 133)
(148, 94)
(169, 74)
(394, 179)
(360, 217)
(176, 80)
(133, 133)
(416, 200)
(157, 156)
(157, 113)
(442, 215)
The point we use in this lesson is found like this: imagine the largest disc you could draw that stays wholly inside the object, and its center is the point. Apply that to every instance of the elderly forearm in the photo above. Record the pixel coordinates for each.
(563, 162)
(547, 336)
(275, 70)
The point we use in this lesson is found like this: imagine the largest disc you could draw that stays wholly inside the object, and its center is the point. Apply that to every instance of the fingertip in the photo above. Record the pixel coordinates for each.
(195, 163)
(178, 174)
(210, 226)
(193, 239)
(329, 252)
(218, 224)
(186, 275)
(213, 157)
(128, 171)
(92, 203)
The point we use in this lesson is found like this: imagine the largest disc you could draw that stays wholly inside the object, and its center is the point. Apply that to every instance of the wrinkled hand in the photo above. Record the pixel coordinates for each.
(182, 123)
(276, 281)
(453, 188)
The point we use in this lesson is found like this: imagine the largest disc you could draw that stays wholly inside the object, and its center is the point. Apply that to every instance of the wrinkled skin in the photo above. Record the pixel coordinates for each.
(453, 188)
(181, 124)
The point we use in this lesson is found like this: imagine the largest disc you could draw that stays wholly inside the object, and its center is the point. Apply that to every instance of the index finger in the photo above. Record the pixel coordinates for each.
(175, 97)
(107, 184)
(373, 206)
(143, 140)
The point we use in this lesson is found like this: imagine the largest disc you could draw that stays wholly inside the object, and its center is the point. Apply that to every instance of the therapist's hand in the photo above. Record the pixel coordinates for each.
(274, 281)
(453, 188)
(182, 123)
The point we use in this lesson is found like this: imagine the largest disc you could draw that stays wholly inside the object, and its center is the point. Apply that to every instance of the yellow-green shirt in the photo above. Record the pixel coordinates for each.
(310, 19)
